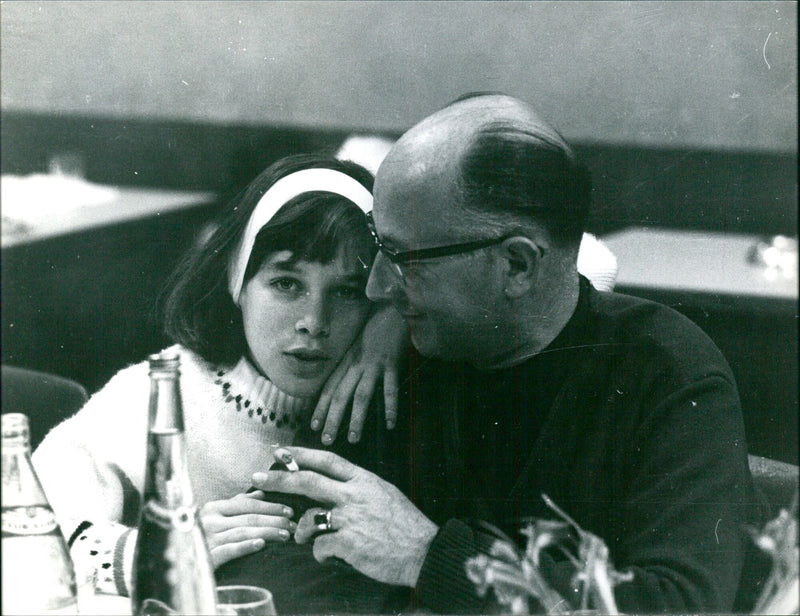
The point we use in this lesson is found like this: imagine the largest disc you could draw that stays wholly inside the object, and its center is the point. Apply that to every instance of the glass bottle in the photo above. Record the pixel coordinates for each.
(38, 575)
(172, 570)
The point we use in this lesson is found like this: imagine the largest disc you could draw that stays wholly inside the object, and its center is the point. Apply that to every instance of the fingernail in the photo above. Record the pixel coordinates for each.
(292, 526)
(315, 424)
(259, 477)
(288, 512)
(353, 437)
(390, 424)
(283, 533)
(327, 439)
(258, 543)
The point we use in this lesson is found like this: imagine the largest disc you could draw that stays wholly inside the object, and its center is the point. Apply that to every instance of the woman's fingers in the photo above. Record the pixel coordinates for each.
(233, 537)
(254, 494)
(243, 533)
(229, 551)
(391, 388)
(243, 505)
(376, 351)
(340, 401)
(243, 524)
(252, 520)
(306, 529)
(221, 524)
(328, 391)
(361, 400)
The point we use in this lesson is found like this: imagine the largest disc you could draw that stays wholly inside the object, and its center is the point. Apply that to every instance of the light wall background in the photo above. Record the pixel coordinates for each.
(711, 75)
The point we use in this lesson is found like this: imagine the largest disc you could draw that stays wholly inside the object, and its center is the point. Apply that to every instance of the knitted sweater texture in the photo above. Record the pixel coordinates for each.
(92, 465)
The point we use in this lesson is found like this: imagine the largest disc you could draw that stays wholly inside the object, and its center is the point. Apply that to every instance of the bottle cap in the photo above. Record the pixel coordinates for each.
(15, 430)
(166, 361)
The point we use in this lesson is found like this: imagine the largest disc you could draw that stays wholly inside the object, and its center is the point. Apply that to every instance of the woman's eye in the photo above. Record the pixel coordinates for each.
(285, 284)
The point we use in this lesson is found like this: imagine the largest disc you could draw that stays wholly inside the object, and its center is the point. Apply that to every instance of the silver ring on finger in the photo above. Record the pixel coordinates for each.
(322, 521)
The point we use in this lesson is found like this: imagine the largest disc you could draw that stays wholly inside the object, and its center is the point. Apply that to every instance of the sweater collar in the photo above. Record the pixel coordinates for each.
(248, 389)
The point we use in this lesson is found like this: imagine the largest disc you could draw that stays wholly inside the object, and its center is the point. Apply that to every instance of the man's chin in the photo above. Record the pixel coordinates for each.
(430, 346)
(424, 345)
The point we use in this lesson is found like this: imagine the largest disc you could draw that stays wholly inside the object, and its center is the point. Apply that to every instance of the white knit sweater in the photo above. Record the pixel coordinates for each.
(233, 416)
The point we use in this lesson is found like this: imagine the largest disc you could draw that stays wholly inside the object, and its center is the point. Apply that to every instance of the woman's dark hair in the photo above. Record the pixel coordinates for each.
(197, 307)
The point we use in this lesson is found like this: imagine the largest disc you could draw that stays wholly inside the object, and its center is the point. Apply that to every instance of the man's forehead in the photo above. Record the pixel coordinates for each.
(412, 206)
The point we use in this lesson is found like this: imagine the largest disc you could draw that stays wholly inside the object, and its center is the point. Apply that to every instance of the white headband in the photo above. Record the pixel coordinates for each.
(280, 193)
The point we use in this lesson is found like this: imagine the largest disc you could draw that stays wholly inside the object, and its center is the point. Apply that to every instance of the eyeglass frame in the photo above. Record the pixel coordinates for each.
(399, 257)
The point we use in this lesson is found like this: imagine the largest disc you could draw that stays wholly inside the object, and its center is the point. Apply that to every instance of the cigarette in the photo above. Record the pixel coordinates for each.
(285, 458)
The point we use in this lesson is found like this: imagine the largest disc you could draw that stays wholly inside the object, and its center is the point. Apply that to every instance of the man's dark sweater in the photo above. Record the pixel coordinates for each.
(629, 420)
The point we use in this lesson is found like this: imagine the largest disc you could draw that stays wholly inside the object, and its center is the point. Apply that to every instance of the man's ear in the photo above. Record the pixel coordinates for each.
(522, 256)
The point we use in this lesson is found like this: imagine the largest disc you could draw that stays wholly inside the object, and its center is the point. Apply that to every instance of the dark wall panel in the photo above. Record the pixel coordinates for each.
(83, 305)
(742, 192)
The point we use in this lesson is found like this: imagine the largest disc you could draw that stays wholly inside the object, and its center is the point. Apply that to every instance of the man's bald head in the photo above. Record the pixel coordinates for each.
(459, 121)
(503, 161)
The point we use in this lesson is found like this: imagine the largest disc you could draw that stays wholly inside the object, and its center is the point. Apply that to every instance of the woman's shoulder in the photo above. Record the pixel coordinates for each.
(189, 362)
(130, 386)
(197, 374)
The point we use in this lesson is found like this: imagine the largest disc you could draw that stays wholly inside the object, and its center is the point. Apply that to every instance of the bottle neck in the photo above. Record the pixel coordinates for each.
(166, 407)
(15, 432)
(21, 487)
(16, 446)
(166, 475)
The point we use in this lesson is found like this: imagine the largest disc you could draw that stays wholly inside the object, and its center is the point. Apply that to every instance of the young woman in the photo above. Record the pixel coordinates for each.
(261, 313)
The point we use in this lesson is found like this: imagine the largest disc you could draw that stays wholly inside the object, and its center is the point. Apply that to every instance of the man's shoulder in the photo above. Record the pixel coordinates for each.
(651, 329)
(631, 317)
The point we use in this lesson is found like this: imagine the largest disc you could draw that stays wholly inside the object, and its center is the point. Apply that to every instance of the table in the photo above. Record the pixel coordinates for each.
(39, 206)
(696, 262)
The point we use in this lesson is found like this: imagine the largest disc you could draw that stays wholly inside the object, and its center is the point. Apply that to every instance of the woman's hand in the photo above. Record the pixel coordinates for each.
(376, 352)
(243, 524)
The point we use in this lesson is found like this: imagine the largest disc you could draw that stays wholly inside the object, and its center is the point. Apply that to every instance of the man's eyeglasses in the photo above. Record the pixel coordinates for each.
(398, 257)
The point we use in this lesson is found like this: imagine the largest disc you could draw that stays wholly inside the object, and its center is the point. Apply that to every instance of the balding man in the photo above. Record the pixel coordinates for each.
(531, 382)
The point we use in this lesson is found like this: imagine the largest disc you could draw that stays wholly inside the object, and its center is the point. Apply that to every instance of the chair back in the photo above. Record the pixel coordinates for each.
(47, 399)
(775, 481)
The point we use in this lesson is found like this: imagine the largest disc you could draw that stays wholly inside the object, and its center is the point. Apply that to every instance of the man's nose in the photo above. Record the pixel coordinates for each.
(314, 318)
(382, 282)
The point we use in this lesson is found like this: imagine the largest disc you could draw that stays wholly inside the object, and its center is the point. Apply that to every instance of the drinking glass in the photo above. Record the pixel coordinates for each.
(244, 601)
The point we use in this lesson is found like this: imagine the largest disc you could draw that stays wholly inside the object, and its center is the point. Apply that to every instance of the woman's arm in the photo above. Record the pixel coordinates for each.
(91, 468)
(96, 503)
(376, 353)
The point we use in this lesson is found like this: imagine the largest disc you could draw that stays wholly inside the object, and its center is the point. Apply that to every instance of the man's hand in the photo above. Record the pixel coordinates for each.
(375, 353)
(376, 528)
(242, 525)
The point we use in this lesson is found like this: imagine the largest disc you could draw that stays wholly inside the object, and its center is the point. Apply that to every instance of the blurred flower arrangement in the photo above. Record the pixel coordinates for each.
(516, 578)
(778, 538)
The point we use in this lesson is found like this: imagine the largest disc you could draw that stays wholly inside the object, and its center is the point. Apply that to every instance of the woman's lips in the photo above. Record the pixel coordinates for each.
(305, 362)
(308, 354)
